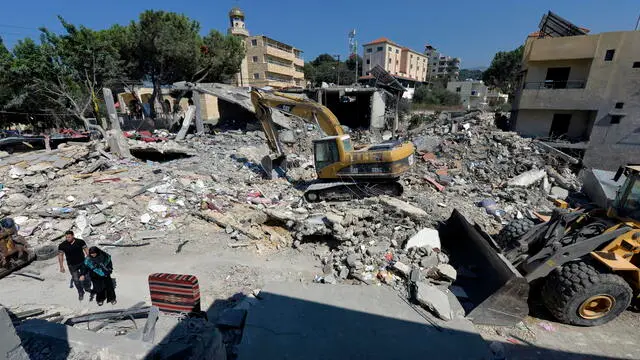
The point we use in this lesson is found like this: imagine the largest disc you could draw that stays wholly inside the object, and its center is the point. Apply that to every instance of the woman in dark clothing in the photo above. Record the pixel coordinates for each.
(98, 263)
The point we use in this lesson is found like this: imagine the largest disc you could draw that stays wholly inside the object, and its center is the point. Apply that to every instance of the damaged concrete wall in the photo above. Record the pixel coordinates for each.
(537, 123)
(10, 345)
(377, 111)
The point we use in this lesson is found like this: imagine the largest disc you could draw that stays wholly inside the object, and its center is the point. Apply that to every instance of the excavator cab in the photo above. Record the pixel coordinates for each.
(330, 150)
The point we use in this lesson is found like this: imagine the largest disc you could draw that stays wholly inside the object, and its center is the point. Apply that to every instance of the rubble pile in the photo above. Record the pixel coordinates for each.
(467, 162)
(464, 163)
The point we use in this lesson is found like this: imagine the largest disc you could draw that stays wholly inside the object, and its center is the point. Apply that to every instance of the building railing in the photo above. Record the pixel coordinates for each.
(555, 84)
(279, 47)
(278, 62)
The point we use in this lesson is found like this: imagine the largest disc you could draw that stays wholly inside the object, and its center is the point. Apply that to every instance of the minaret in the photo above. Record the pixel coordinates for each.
(237, 28)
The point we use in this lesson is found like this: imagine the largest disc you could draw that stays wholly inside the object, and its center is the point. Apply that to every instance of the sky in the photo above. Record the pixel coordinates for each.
(472, 30)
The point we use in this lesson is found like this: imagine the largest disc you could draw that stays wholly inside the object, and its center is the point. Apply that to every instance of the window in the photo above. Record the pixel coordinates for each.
(379, 48)
(609, 55)
(397, 51)
(255, 59)
(370, 50)
(458, 89)
(396, 61)
(411, 66)
(389, 48)
(411, 55)
(326, 153)
(254, 42)
(390, 61)
(619, 105)
(636, 64)
(256, 75)
(368, 61)
(615, 119)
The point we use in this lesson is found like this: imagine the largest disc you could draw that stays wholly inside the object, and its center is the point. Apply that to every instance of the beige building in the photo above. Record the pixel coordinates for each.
(268, 62)
(586, 89)
(399, 61)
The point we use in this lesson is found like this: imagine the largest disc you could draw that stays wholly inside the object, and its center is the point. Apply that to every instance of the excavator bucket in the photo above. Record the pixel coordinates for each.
(274, 166)
(490, 289)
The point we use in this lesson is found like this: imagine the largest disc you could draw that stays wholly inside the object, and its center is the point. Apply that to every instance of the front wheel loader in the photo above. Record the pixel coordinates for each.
(587, 262)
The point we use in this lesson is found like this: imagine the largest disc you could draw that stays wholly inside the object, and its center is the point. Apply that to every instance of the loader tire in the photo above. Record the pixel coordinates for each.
(580, 294)
(513, 231)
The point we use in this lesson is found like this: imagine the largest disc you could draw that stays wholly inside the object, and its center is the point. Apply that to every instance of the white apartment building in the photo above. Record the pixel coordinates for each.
(440, 65)
(476, 95)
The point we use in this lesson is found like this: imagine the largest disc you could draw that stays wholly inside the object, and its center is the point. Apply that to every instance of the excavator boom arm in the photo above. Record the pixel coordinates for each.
(307, 110)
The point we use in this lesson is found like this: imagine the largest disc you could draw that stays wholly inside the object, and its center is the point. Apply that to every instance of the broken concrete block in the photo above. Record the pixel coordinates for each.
(447, 271)
(427, 143)
(403, 207)
(17, 172)
(16, 200)
(402, 268)
(559, 193)
(443, 258)
(10, 345)
(527, 178)
(352, 260)
(424, 237)
(145, 218)
(63, 224)
(330, 279)
(434, 299)
(98, 219)
(287, 136)
(429, 261)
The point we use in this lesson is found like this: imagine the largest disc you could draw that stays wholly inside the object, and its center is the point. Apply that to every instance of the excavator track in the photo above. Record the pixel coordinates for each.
(342, 191)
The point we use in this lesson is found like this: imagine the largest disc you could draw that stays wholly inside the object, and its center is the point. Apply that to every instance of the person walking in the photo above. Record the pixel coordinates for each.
(100, 267)
(75, 251)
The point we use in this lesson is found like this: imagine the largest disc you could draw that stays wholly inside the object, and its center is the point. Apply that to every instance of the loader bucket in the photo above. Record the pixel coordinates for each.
(274, 166)
(494, 292)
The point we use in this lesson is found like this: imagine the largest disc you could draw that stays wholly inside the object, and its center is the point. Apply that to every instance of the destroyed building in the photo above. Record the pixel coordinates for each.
(579, 92)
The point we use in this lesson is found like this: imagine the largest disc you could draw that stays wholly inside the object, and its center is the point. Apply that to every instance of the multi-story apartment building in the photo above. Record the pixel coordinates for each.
(440, 65)
(406, 65)
(398, 60)
(582, 88)
(268, 62)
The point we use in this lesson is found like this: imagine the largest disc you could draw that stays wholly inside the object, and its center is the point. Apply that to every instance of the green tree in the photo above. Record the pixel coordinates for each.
(470, 74)
(436, 96)
(219, 58)
(326, 68)
(165, 49)
(504, 70)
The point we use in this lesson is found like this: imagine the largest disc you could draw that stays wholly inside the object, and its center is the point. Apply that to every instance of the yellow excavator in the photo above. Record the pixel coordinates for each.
(584, 263)
(343, 172)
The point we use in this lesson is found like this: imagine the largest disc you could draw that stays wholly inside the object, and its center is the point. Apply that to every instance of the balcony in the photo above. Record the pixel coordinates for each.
(273, 51)
(558, 95)
(551, 84)
(279, 69)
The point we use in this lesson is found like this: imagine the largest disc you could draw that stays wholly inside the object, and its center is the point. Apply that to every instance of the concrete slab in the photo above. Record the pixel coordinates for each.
(110, 347)
(315, 321)
(10, 346)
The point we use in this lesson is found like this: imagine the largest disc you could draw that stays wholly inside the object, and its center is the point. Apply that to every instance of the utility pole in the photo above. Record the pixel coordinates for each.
(353, 49)
(338, 68)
